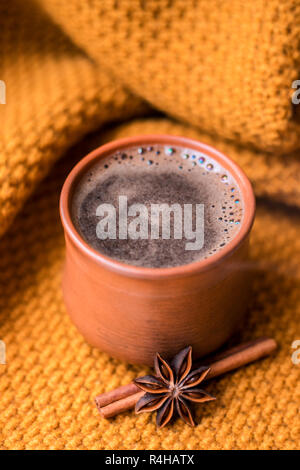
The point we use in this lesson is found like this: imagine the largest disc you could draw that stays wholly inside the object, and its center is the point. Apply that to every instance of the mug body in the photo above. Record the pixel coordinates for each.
(133, 312)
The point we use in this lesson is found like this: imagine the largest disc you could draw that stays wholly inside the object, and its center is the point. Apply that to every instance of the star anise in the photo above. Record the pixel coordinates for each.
(173, 389)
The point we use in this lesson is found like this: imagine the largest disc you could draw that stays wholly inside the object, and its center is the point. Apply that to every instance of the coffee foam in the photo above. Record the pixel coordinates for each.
(158, 174)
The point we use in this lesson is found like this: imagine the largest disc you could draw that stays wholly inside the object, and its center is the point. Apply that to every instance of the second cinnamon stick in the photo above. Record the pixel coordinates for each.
(128, 395)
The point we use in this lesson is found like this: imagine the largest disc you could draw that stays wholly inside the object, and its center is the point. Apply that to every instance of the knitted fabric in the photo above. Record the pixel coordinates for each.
(55, 94)
(224, 66)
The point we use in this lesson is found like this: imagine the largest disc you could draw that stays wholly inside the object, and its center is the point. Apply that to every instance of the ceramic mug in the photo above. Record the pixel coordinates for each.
(132, 312)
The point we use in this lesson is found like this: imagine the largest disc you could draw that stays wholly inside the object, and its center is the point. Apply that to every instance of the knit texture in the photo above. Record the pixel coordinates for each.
(57, 91)
(55, 94)
(224, 66)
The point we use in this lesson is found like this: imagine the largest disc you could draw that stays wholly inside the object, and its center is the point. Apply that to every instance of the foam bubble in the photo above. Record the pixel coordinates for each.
(159, 174)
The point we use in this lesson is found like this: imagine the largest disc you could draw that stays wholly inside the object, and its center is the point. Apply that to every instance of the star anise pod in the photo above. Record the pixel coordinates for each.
(173, 389)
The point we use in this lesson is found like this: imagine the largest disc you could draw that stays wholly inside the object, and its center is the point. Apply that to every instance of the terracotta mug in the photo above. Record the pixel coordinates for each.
(132, 312)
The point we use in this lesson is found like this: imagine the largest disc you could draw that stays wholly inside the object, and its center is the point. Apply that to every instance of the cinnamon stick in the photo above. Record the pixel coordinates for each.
(124, 391)
(117, 394)
(124, 398)
(119, 406)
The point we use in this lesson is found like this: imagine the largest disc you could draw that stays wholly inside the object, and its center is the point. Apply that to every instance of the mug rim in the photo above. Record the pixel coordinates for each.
(140, 272)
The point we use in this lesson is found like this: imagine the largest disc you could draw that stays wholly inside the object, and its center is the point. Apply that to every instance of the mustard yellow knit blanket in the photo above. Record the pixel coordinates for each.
(218, 71)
